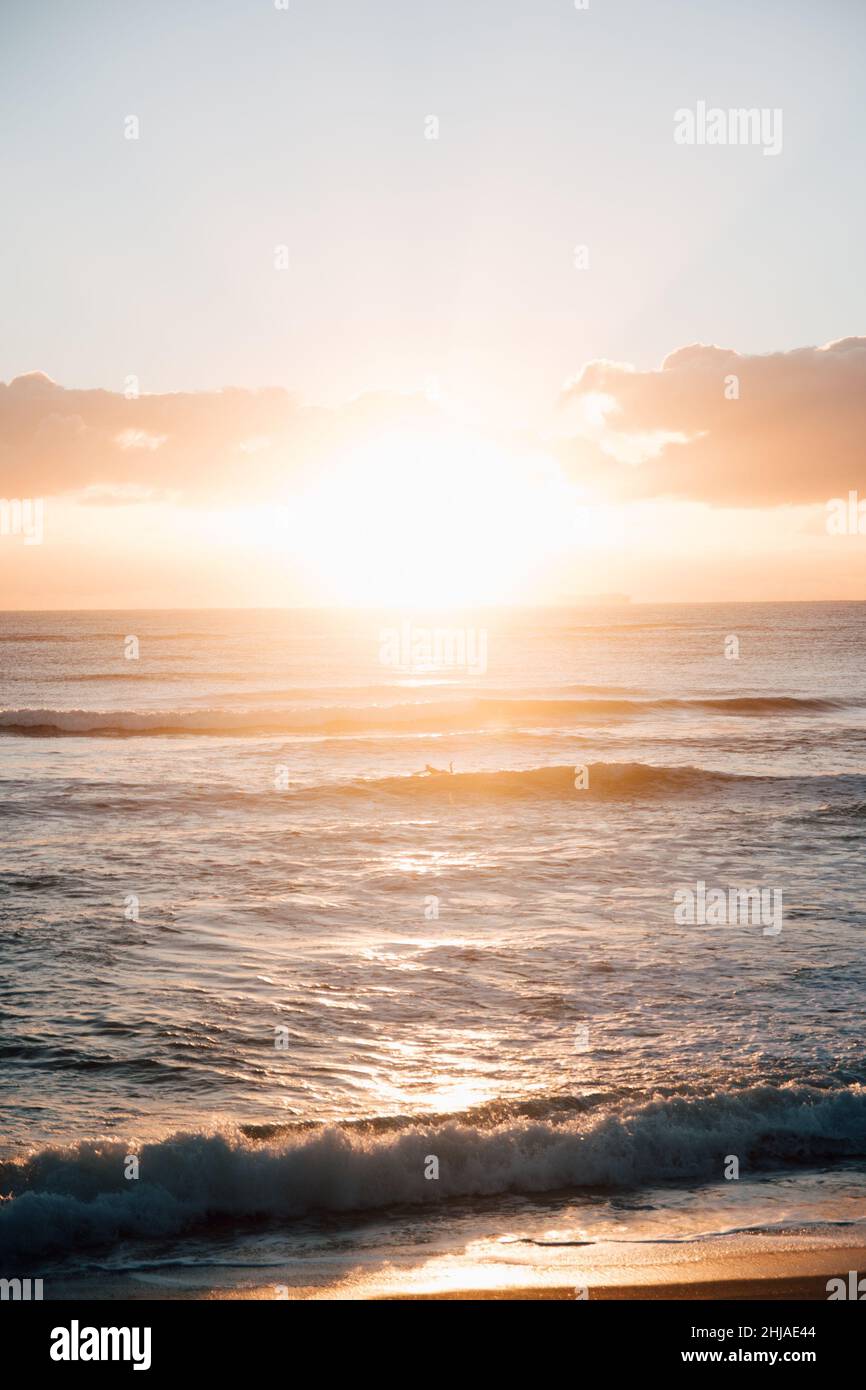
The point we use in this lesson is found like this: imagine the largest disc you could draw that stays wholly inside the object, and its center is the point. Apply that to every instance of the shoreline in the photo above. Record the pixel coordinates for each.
(799, 1275)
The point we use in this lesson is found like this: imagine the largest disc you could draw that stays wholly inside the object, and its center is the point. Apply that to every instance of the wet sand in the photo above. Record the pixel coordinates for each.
(798, 1274)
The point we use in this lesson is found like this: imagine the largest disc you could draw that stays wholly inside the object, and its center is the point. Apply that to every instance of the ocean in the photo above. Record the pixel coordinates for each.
(285, 1008)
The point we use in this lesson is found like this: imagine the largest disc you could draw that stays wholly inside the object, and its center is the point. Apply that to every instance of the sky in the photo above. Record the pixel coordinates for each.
(375, 306)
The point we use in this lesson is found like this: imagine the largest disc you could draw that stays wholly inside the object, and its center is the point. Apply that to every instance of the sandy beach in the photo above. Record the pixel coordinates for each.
(676, 1274)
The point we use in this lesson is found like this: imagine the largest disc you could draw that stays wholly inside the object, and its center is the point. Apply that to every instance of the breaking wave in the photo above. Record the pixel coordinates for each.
(63, 1200)
(602, 779)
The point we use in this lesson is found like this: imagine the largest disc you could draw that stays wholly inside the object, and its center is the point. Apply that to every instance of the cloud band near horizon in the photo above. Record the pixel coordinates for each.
(790, 431)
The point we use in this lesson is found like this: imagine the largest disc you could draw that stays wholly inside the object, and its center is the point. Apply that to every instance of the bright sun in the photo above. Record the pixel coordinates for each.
(447, 520)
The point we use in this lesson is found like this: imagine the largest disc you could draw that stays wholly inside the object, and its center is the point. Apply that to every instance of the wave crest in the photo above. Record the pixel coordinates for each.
(64, 1200)
(422, 717)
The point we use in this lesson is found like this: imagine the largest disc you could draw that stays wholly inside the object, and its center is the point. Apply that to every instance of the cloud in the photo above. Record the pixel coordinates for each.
(790, 429)
(139, 439)
(209, 445)
(710, 425)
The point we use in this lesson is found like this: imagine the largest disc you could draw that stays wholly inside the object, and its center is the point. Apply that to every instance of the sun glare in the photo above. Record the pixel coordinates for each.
(452, 519)
(446, 520)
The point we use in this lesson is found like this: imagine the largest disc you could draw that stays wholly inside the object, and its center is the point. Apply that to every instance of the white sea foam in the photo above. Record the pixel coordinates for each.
(76, 1198)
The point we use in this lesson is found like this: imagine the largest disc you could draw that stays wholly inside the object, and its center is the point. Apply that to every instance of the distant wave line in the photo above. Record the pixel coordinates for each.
(452, 715)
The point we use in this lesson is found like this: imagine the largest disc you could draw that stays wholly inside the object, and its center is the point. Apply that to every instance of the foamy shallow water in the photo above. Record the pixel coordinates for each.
(483, 967)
